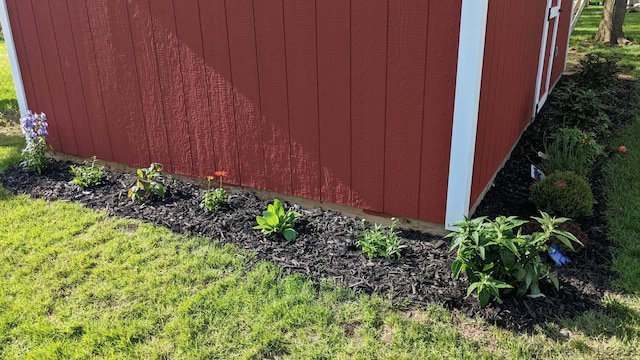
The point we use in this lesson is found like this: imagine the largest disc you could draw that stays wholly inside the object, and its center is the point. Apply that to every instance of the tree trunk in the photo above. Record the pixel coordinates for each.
(610, 29)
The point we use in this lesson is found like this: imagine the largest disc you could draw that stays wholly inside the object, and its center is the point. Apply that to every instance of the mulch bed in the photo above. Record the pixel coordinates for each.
(325, 248)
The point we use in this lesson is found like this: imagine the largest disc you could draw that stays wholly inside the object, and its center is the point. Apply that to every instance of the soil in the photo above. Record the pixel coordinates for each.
(326, 250)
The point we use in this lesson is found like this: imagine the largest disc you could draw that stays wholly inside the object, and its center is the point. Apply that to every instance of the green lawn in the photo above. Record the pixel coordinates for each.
(8, 99)
(582, 38)
(77, 284)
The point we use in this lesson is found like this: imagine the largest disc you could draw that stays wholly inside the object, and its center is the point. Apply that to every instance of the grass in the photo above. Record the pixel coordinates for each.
(79, 284)
(8, 99)
(582, 38)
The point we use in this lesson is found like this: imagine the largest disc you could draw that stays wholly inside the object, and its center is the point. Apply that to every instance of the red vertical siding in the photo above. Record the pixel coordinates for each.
(340, 101)
(334, 85)
(512, 51)
(302, 84)
(195, 91)
(109, 22)
(34, 58)
(403, 128)
(51, 59)
(213, 20)
(167, 54)
(368, 89)
(440, 87)
(151, 94)
(246, 95)
(75, 103)
(88, 70)
(272, 71)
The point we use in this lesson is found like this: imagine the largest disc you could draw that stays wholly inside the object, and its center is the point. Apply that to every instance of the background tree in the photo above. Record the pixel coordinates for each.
(610, 29)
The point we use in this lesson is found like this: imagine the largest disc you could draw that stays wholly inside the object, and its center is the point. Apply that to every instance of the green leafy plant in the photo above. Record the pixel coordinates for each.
(214, 199)
(563, 193)
(150, 181)
(34, 129)
(377, 243)
(87, 175)
(582, 108)
(498, 258)
(571, 149)
(276, 221)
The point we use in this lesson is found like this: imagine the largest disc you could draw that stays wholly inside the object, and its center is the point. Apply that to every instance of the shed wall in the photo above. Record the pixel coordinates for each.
(341, 101)
(507, 98)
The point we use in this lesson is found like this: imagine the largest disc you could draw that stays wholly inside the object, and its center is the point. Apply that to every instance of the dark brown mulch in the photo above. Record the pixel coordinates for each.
(326, 248)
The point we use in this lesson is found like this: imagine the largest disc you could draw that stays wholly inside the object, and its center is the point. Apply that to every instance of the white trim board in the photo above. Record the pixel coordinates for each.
(13, 58)
(473, 28)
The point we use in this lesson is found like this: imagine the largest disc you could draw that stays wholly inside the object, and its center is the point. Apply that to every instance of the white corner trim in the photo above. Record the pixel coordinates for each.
(13, 57)
(473, 28)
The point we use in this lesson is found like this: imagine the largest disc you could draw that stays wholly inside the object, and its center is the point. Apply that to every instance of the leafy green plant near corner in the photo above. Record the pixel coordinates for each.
(582, 108)
(150, 181)
(87, 175)
(571, 149)
(563, 193)
(377, 243)
(497, 258)
(276, 221)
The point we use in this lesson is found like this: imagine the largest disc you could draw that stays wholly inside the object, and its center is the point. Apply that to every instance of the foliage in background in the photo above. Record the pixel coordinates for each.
(214, 199)
(570, 149)
(87, 175)
(497, 257)
(275, 221)
(563, 193)
(582, 39)
(11, 143)
(151, 181)
(8, 98)
(377, 243)
(34, 129)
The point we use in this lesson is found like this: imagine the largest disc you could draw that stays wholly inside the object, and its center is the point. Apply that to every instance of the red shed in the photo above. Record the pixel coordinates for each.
(398, 107)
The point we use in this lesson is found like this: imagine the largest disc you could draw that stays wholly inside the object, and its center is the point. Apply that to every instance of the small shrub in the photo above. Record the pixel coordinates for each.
(598, 72)
(34, 155)
(581, 108)
(571, 149)
(87, 175)
(150, 181)
(275, 221)
(498, 259)
(563, 193)
(214, 199)
(376, 243)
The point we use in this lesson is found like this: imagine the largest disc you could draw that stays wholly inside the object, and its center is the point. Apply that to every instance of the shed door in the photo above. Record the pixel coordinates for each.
(548, 50)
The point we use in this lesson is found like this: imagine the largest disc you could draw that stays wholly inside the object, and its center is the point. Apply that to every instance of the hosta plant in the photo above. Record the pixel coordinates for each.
(498, 258)
(151, 181)
(377, 243)
(87, 175)
(275, 221)
(214, 198)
